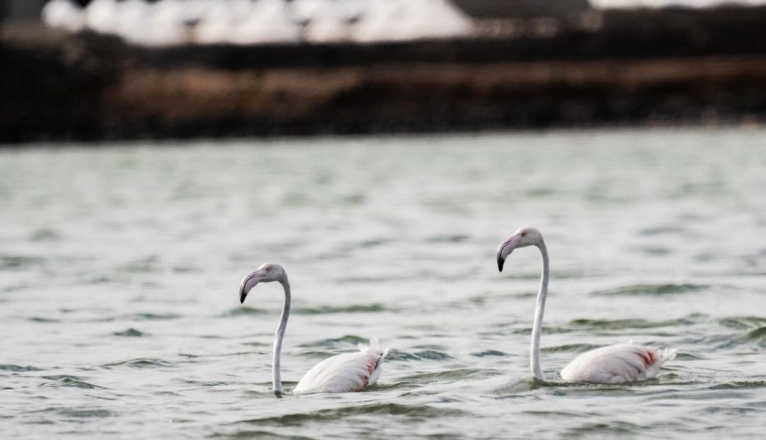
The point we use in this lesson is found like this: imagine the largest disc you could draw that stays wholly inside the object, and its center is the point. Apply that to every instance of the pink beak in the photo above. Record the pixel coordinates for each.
(247, 284)
(505, 249)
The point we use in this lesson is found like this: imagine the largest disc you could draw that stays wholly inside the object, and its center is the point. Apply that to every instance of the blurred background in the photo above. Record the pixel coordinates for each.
(116, 69)
(152, 154)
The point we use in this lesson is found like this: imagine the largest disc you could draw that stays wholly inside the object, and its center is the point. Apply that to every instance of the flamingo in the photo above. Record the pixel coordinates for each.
(343, 373)
(606, 365)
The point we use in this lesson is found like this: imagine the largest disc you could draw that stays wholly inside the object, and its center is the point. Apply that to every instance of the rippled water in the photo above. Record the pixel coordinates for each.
(119, 271)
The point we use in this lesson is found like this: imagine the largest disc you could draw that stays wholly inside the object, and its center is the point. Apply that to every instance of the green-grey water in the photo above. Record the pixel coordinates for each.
(120, 268)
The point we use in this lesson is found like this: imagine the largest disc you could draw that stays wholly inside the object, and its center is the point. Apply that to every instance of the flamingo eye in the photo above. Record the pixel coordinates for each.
(523, 234)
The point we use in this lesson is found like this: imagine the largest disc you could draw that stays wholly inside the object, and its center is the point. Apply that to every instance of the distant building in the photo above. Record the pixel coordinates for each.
(525, 9)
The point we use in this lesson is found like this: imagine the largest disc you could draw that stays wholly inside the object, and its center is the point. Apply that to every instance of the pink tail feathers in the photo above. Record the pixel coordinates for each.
(661, 356)
(374, 347)
(664, 355)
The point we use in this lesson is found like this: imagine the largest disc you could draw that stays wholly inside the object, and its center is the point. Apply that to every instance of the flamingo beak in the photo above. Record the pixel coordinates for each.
(505, 249)
(248, 283)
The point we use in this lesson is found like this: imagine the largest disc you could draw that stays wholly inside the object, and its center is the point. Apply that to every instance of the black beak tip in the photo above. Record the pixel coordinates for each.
(500, 263)
(242, 297)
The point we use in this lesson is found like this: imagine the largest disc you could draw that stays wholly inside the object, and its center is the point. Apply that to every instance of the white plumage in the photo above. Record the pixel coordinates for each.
(345, 372)
(339, 374)
(617, 363)
(612, 364)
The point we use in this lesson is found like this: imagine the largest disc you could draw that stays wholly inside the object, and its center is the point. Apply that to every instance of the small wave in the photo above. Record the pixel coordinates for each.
(61, 376)
(659, 230)
(185, 269)
(728, 341)
(522, 386)
(243, 311)
(451, 375)
(43, 320)
(318, 354)
(577, 348)
(547, 330)
(456, 238)
(716, 341)
(743, 323)
(378, 386)
(367, 244)
(655, 250)
(757, 335)
(333, 342)
(255, 344)
(46, 235)
(367, 279)
(552, 414)
(418, 412)
(737, 385)
(610, 429)
(523, 295)
(17, 368)
(139, 363)
(265, 391)
(432, 355)
(479, 300)
(168, 393)
(129, 333)
(84, 413)
(189, 355)
(689, 357)
(619, 324)
(259, 434)
(372, 308)
(488, 353)
(69, 381)
(651, 290)
(103, 279)
(152, 316)
(205, 383)
(12, 262)
(540, 191)
(553, 381)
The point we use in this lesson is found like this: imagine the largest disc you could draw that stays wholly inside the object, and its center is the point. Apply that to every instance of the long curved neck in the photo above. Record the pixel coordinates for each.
(276, 374)
(537, 328)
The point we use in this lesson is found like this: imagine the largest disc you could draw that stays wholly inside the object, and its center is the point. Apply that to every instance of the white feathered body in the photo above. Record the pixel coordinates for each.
(346, 372)
(617, 363)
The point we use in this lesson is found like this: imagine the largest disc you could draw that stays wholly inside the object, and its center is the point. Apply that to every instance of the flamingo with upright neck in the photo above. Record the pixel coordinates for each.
(611, 364)
(339, 374)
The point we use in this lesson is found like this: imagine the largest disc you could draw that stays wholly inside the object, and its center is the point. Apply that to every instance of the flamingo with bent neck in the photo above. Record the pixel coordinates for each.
(611, 364)
(339, 374)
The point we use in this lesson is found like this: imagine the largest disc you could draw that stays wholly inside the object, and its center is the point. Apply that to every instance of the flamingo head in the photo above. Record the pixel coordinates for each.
(267, 273)
(528, 236)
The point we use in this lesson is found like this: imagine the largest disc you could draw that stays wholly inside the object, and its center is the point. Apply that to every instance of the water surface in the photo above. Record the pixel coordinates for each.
(119, 271)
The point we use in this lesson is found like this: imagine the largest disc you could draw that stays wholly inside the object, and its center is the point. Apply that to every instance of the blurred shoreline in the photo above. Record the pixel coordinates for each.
(640, 67)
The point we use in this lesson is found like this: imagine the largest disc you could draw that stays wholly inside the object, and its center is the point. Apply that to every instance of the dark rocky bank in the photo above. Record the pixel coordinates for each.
(638, 67)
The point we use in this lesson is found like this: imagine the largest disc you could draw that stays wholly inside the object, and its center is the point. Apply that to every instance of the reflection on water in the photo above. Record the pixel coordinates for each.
(119, 271)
